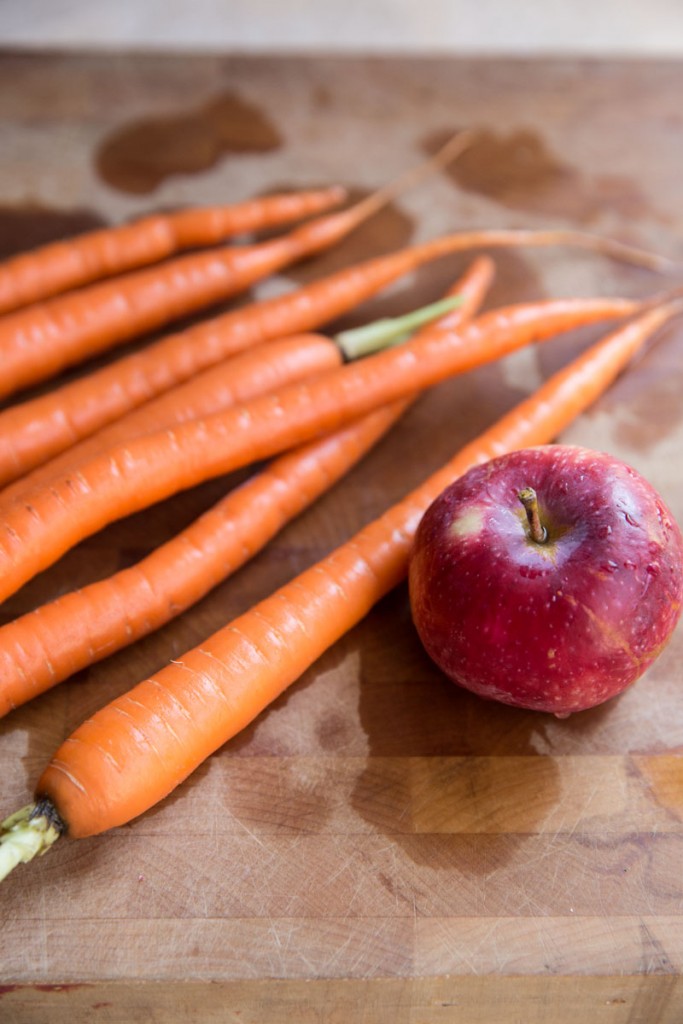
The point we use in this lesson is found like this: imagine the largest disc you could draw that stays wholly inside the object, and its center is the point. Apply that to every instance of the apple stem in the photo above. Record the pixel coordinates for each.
(537, 530)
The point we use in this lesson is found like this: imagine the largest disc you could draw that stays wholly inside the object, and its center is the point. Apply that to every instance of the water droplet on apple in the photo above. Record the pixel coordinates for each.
(604, 531)
(653, 568)
(529, 572)
(630, 565)
(562, 714)
(630, 520)
(609, 566)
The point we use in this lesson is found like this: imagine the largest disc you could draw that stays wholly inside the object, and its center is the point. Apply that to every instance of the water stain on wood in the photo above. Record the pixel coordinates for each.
(322, 96)
(650, 418)
(333, 730)
(663, 777)
(30, 225)
(645, 405)
(516, 279)
(519, 170)
(61, 987)
(138, 157)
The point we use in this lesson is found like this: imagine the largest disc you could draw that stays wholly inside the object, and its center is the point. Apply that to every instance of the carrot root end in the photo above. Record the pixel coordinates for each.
(26, 834)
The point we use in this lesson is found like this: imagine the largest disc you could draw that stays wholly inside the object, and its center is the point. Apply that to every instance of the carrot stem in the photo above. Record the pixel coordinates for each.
(28, 833)
(391, 330)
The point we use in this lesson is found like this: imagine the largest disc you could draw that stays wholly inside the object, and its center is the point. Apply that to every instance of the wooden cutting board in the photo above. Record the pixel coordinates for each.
(378, 846)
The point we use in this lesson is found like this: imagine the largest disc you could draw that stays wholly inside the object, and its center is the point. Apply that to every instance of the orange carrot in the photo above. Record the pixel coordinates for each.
(136, 750)
(41, 525)
(246, 375)
(38, 342)
(71, 263)
(49, 644)
(40, 428)
(40, 649)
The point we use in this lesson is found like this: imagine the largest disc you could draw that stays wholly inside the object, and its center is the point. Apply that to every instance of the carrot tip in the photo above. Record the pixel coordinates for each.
(449, 152)
(26, 834)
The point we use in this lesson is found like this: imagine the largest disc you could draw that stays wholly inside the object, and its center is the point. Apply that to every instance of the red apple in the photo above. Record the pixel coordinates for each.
(548, 578)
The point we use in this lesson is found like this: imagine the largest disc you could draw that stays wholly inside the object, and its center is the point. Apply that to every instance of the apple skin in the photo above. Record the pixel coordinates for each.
(558, 626)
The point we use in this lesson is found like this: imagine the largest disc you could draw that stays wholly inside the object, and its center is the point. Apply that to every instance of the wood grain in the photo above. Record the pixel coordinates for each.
(377, 846)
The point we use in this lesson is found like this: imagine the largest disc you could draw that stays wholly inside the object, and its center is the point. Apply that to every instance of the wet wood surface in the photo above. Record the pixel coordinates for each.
(378, 845)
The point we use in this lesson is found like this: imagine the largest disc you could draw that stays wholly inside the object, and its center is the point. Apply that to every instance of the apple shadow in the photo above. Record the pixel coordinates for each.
(478, 783)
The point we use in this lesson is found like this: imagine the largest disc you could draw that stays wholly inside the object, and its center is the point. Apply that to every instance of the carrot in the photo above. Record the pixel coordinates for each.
(136, 750)
(373, 337)
(41, 649)
(40, 428)
(245, 376)
(71, 263)
(259, 371)
(40, 341)
(41, 525)
(49, 644)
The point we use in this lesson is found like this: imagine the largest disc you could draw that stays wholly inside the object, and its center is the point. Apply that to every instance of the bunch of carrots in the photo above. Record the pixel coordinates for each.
(239, 388)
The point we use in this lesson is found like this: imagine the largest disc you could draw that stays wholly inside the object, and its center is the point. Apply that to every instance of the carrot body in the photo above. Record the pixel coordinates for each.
(57, 267)
(41, 525)
(38, 342)
(136, 750)
(239, 379)
(38, 429)
(46, 646)
(246, 375)
(78, 629)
